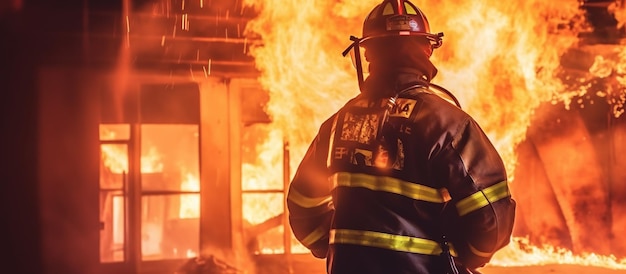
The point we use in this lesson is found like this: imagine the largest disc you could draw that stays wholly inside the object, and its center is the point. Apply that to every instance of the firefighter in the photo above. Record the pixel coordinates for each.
(400, 179)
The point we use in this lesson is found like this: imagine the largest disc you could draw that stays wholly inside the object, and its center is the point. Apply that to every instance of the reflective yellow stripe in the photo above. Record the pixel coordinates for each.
(388, 184)
(483, 198)
(307, 202)
(386, 241)
(314, 236)
(479, 253)
(331, 142)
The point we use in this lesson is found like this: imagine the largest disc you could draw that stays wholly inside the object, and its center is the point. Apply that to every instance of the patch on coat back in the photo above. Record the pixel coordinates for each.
(362, 157)
(360, 128)
(403, 108)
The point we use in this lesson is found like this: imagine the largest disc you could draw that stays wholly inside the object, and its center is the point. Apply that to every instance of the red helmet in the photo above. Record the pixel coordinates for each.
(398, 18)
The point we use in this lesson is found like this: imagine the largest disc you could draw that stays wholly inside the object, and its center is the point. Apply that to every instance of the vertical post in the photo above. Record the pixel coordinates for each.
(286, 180)
(233, 89)
(215, 168)
(133, 200)
(286, 227)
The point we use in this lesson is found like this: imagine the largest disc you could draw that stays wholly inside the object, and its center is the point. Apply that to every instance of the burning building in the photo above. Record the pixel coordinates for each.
(142, 133)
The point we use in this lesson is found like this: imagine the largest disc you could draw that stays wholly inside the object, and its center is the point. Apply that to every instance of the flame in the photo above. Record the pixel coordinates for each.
(499, 62)
(115, 158)
(520, 252)
(605, 78)
(263, 173)
(190, 203)
(494, 69)
(614, 70)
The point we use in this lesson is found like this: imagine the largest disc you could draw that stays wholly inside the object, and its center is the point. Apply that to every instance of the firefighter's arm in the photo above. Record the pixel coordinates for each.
(309, 202)
(483, 211)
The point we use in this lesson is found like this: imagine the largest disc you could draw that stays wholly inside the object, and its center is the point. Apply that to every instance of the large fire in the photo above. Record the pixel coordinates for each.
(498, 57)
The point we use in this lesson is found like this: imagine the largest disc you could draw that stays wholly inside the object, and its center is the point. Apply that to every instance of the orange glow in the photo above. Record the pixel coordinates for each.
(521, 253)
(264, 174)
(116, 160)
(190, 204)
(499, 73)
(499, 58)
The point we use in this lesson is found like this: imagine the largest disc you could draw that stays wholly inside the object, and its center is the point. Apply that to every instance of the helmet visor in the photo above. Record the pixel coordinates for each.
(357, 57)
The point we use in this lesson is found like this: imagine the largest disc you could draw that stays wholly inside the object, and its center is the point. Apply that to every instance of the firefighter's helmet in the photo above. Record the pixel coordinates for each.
(398, 18)
(391, 18)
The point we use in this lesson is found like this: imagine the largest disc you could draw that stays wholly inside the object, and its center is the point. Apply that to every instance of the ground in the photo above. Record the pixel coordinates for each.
(307, 265)
(551, 269)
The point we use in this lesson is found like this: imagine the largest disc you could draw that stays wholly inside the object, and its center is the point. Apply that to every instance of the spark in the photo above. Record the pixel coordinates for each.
(174, 32)
(209, 68)
(185, 22)
(127, 32)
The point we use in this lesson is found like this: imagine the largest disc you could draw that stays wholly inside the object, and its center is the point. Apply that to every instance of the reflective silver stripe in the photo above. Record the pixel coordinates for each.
(386, 241)
(315, 235)
(388, 184)
(482, 198)
(307, 202)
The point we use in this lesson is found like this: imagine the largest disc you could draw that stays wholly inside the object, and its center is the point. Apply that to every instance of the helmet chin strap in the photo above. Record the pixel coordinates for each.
(357, 52)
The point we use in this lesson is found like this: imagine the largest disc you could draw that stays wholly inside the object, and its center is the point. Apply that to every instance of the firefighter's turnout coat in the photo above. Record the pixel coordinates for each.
(383, 184)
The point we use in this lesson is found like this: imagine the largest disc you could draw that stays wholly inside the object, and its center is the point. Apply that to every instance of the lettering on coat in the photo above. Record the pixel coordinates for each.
(340, 152)
(402, 108)
(405, 129)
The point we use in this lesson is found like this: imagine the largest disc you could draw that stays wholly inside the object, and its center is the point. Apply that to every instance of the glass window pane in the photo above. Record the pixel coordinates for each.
(258, 207)
(113, 165)
(112, 230)
(262, 158)
(166, 231)
(262, 169)
(272, 241)
(113, 170)
(114, 132)
(262, 216)
(170, 157)
(169, 166)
